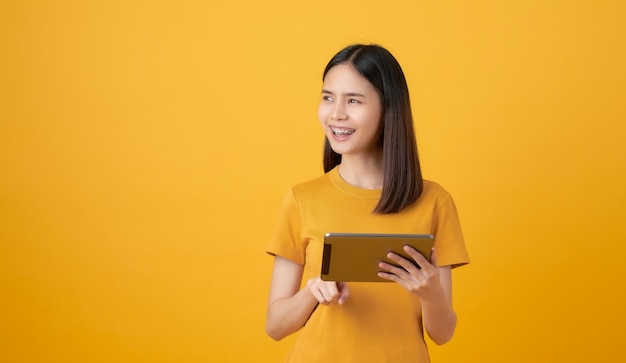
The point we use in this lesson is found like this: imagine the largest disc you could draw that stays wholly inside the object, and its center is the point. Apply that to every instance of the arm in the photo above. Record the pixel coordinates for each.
(288, 309)
(439, 316)
(433, 286)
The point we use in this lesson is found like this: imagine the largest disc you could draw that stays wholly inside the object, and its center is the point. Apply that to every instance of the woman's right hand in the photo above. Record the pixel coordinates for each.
(328, 291)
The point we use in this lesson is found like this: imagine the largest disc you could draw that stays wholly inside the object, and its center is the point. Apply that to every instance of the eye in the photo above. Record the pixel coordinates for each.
(327, 98)
(353, 100)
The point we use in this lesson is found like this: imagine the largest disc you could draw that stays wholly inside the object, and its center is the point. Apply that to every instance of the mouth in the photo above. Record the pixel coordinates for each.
(342, 131)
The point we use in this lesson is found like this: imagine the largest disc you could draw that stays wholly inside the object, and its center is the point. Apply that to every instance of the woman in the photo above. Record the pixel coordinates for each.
(372, 184)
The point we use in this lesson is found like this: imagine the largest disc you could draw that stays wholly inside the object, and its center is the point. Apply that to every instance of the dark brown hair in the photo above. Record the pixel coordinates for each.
(402, 183)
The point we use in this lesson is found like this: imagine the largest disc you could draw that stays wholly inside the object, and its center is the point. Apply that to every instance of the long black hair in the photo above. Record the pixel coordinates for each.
(402, 180)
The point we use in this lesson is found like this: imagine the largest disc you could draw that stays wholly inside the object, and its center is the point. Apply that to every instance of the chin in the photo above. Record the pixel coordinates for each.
(339, 150)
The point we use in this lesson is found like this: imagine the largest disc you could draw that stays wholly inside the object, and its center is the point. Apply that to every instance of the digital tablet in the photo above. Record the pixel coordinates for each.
(350, 257)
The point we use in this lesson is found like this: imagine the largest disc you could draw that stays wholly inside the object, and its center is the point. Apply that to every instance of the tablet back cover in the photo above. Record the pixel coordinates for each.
(354, 257)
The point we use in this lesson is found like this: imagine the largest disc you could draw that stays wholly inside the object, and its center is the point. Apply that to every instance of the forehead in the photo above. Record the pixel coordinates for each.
(343, 78)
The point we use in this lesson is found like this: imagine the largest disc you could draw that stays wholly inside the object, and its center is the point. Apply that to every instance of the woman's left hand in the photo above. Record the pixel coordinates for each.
(423, 281)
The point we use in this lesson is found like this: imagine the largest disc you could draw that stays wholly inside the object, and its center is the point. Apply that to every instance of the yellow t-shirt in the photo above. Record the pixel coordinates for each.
(380, 322)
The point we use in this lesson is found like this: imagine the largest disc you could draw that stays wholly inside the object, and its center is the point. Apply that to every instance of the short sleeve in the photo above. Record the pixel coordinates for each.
(449, 242)
(287, 240)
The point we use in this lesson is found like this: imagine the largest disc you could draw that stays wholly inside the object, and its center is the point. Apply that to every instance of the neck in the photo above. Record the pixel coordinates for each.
(365, 173)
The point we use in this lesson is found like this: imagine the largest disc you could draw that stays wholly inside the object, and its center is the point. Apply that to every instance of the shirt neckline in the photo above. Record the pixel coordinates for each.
(345, 187)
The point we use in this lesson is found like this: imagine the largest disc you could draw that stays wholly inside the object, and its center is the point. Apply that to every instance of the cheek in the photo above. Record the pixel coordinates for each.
(322, 113)
(376, 125)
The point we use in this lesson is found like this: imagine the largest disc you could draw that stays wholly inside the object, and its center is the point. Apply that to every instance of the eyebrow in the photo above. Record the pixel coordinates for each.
(349, 94)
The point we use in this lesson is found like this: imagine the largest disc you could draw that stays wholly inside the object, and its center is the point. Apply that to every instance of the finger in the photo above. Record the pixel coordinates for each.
(433, 257)
(317, 294)
(395, 278)
(387, 275)
(344, 292)
(417, 257)
(392, 269)
(329, 290)
(407, 265)
(318, 290)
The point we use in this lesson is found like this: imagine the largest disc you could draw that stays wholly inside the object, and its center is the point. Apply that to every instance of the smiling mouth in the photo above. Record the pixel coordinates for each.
(340, 131)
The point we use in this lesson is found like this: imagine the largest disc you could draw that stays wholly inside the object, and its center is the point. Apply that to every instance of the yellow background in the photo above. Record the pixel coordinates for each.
(145, 147)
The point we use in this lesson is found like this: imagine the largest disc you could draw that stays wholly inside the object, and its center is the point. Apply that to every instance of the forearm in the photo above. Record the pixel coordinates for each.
(439, 320)
(285, 316)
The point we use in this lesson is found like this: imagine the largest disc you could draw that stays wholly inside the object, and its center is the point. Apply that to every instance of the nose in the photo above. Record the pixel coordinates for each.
(338, 112)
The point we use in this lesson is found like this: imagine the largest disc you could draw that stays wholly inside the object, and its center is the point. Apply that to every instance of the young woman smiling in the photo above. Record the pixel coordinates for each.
(372, 183)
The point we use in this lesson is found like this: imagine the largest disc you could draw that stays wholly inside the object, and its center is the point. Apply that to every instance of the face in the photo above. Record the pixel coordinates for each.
(350, 112)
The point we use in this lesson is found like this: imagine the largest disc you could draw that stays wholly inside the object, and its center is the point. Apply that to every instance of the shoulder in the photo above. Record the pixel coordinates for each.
(312, 185)
(434, 195)
(434, 189)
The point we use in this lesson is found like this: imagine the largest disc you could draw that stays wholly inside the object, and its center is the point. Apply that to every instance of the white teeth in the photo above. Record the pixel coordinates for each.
(341, 132)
